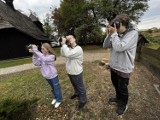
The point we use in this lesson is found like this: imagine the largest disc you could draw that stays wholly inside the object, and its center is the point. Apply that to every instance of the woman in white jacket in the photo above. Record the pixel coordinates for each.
(74, 68)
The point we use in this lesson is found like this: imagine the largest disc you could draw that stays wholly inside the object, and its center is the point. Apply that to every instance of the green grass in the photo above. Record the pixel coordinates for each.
(10, 63)
(153, 45)
(154, 42)
(57, 51)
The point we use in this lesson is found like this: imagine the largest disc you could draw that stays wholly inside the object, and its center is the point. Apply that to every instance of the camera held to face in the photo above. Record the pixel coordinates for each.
(116, 23)
(29, 46)
(60, 40)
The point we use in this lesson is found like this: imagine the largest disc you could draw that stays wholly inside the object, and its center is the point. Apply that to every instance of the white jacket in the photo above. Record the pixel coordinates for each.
(74, 59)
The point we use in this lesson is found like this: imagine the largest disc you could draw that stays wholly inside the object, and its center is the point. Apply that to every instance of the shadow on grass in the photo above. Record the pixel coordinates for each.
(17, 110)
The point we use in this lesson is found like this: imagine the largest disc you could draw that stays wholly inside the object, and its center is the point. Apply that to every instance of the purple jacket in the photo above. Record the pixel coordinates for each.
(46, 64)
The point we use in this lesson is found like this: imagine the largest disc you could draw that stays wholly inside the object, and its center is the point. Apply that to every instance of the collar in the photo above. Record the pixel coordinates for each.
(73, 46)
(125, 32)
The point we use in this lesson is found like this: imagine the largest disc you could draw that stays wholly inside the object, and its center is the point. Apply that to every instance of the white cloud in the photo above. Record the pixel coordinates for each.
(150, 22)
(40, 7)
(153, 3)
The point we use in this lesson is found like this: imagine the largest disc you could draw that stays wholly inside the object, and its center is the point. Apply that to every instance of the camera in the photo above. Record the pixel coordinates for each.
(115, 22)
(29, 46)
(60, 40)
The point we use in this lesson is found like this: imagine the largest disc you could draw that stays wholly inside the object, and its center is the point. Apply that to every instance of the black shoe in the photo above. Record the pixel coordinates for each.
(73, 96)
(113, 101)
(81, 105)
(121, 109)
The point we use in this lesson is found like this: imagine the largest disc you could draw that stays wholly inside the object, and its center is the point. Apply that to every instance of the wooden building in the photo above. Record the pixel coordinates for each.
(17, 30)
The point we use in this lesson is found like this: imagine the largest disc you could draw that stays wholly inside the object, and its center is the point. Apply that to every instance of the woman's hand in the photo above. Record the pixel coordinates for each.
(63, 40)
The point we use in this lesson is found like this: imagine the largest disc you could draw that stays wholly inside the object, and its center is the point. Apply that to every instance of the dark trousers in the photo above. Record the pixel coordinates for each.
(121, 87)
(77, 83)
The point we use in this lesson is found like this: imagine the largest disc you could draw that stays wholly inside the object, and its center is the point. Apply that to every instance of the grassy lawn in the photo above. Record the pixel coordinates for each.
(153, 46)
(27, 96)
(10, 63)
(154, 42)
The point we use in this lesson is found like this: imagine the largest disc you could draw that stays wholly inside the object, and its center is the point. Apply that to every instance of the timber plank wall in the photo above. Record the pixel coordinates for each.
(151, 59)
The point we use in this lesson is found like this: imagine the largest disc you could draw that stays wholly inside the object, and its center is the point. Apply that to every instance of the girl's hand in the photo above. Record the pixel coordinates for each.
(34, 46)
(30, 50)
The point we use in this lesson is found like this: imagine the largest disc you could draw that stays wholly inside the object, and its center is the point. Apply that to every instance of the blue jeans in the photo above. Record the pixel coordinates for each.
(56, 89)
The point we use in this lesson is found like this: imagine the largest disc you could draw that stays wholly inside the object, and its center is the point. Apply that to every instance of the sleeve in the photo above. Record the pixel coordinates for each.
(128, 41)
(74, 53)
(107, 42)
(61, 51)
(36, 61)
(46, 59)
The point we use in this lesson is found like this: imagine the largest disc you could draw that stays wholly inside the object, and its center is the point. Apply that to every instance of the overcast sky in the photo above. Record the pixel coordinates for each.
(150, 19)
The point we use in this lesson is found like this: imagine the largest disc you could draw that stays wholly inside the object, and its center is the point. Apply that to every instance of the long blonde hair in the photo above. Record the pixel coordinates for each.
(49, 48)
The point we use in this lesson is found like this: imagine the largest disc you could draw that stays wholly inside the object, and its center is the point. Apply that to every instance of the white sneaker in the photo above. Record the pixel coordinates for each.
(53, 101)
(57, 104)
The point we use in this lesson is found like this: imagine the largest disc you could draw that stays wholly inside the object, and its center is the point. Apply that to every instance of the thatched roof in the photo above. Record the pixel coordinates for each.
(11, 18)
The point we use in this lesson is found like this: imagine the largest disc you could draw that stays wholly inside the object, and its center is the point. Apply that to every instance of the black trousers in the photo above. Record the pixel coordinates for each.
(121, 87)
(77, 83)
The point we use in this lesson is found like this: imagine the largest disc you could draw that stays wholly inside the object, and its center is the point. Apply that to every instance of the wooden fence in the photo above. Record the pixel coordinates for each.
(151, 59)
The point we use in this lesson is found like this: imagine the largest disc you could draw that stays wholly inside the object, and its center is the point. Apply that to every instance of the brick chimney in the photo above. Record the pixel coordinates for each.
(10, 3)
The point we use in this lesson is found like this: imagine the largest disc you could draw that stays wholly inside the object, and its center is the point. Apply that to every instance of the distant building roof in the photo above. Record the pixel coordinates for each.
(11, 18)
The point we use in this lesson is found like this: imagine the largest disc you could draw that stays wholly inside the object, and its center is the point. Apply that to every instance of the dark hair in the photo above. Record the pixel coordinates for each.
(124, 19)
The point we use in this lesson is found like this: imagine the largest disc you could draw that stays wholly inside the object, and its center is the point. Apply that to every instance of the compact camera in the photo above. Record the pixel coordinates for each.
(115, 22)
(29, 46)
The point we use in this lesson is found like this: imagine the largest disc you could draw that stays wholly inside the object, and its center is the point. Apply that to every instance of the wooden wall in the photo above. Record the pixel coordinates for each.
(13, 44)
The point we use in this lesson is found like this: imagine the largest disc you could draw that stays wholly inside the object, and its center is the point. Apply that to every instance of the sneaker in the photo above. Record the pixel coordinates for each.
(121, 109)
(53, 101)
(73, 96)
(113, 101)
(57, 104)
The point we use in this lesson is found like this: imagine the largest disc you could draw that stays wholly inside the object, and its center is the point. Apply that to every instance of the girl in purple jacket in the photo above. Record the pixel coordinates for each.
(46, 62)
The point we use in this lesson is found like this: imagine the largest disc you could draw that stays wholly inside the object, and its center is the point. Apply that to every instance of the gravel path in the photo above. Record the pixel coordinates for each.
(89, 56)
